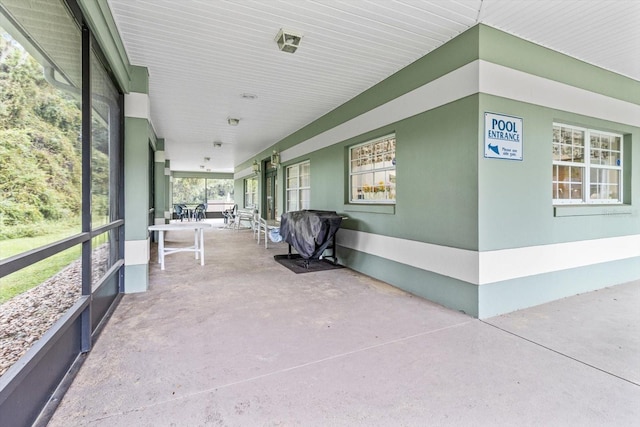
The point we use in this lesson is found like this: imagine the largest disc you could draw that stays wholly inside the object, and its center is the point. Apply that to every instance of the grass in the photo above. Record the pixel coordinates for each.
(26, 278)
(12, 247)
(29, 277)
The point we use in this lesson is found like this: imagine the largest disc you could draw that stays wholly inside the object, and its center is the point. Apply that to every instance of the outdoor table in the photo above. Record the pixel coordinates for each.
(198, 241)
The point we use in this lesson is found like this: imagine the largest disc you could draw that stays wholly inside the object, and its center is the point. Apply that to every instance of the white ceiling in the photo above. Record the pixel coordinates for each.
(202, 55)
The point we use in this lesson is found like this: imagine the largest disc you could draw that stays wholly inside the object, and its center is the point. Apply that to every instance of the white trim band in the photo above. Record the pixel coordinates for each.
(245, 173)
(475, 77)
(448, 88)
(505, 264)
(137, 105)
(457, 263)
(485, 267)
(508, 83)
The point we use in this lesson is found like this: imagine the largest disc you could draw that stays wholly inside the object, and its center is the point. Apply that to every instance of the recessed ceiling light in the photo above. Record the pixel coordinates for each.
(217, 144)
(233, 122)
(249, 96)
(201, 166)
(206, 159)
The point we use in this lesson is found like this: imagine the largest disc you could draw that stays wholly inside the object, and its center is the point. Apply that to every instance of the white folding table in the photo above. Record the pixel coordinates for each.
(198, 240)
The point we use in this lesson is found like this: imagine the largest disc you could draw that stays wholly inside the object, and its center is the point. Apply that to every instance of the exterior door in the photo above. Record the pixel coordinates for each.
(270, 206)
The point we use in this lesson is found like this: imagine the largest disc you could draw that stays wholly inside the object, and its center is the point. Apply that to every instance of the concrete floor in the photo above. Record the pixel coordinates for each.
(243, 341)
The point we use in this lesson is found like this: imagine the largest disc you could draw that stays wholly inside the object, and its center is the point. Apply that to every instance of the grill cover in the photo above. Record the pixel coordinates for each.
(309, 231)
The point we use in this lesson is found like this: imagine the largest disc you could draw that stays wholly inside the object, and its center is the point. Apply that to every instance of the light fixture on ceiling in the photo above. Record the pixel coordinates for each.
(233, 122)
(201, 166)
(249, 96)
(288, 41)
(206, 159)
(255, 166)
(217, 144)
(275, 159)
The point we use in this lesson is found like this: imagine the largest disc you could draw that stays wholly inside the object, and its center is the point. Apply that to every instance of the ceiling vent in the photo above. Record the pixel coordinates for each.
(288, 41)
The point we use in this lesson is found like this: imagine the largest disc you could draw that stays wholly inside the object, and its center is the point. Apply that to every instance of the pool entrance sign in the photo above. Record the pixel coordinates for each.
(502, 137)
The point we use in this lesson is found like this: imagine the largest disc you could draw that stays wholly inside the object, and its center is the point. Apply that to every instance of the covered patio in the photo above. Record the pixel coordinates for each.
(244, 341)
(389, 116)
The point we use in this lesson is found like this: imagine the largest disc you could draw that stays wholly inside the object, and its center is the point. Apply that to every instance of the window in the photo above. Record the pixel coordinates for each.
(299, 186)
(190, 190)
(587, 166)
(106, 112)
(372, 171)
(58, 139)
(219, 190)
(250, 192)
(40, 146)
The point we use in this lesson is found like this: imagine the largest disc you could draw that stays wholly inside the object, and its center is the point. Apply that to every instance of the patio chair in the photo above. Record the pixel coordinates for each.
(260, 226)
(199, 212)
(179, 212)
(230, 216)
(245, 215)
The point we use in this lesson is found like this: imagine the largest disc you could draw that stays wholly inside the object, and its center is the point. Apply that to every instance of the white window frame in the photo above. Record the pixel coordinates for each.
(372, 190)
(250, 192)
(586, 166)
(298, 183)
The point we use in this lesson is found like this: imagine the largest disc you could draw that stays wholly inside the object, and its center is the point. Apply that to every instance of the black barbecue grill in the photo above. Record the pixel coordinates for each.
(311, 232)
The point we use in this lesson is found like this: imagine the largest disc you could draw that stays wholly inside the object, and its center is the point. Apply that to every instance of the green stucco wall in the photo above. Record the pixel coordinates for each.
(136, 178)
(136, 278)
(502, 297)
(501, 48)
(449, 292)
(436, 155)
(516, 207)
(449, 195)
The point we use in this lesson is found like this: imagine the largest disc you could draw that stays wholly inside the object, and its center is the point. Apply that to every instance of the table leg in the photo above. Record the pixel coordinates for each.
(266, 231)
(195, 243)
(202, 246)
(161, 248)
